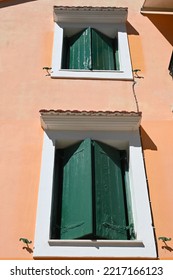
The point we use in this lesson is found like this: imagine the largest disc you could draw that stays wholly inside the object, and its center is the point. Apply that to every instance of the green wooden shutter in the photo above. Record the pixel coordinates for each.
(103, 56)
(79, 52)
(109, 194)
(76, 213)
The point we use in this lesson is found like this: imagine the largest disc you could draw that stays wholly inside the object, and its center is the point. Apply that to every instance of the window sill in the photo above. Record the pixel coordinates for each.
(96, 243)
(133, 249)
(84, 74)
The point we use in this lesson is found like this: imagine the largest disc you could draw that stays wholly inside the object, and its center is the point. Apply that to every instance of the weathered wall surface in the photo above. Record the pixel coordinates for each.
(26, 39)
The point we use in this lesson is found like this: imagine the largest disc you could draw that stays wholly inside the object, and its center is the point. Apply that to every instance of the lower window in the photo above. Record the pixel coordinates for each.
(90, 194)
(93, 198)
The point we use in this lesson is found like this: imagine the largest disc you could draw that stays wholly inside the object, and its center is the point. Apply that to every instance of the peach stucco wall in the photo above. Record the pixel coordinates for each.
(26, 38)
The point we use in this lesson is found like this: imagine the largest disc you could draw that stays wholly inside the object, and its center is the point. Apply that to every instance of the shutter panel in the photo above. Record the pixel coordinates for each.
(109, 194)
(79, 54)
(103, 57)
(76, 214)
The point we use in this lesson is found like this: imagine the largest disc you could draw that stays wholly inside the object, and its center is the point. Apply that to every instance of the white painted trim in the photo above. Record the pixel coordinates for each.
(68, 123)
(142, 247)
(57, 49)
(156, 12)
(125, 72)
(160, 7)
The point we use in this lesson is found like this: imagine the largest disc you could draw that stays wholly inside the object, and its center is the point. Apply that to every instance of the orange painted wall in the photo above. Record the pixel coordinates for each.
(157, 139)
(26, 38)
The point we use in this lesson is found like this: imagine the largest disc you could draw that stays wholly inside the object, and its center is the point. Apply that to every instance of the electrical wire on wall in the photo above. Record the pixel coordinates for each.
(136, 76)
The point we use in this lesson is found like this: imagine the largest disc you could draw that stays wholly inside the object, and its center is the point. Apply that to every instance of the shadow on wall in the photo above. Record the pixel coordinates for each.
(29, 250)
(147, 143)
(131, 30)
(164, 24)
(12, 3)
(136, 49)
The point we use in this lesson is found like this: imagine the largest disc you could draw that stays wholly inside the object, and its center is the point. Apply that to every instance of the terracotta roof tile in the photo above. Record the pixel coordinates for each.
(89, 113)
(87, 8)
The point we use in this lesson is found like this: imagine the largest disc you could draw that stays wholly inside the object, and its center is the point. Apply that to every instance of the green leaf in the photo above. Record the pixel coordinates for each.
(163, 238)
(25, 240)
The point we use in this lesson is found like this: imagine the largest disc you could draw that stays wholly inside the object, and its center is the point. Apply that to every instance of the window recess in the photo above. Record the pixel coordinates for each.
(89, 193)
(90, 50)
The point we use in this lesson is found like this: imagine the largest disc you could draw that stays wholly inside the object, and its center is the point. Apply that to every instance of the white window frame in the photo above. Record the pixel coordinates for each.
(104, 21)
(65, 133)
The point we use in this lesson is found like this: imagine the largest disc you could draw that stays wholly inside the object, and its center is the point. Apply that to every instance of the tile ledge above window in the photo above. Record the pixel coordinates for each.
(86, 14)
(96, 120)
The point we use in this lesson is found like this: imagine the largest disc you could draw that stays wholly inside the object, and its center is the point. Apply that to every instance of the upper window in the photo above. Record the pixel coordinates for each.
(91, 43)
